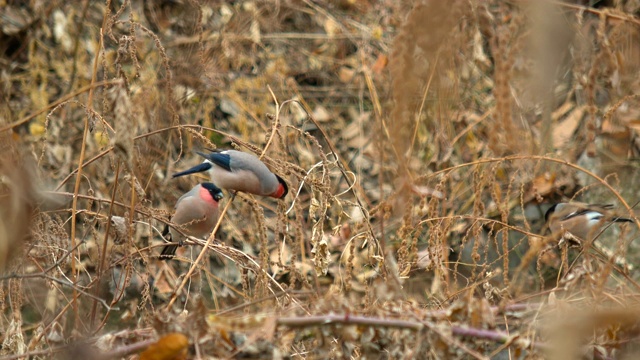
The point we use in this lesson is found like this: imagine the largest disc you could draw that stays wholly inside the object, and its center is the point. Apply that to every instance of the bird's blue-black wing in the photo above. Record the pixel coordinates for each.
(221, 159)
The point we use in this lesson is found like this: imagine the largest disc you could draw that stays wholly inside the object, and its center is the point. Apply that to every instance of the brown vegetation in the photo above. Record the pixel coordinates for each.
(421, 143)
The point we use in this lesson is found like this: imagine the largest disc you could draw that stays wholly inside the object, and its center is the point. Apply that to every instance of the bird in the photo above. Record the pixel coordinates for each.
(197, 211)
(239, 171)
(581, 220)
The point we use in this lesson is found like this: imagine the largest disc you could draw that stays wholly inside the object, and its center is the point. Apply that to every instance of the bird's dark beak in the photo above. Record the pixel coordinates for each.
(196, 169)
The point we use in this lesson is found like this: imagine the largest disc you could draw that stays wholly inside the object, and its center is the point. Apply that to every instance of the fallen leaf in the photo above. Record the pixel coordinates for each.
(169, 347)
(564, 130)
(380, 64)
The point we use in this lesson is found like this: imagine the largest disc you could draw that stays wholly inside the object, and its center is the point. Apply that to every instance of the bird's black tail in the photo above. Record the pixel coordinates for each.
(168, 252)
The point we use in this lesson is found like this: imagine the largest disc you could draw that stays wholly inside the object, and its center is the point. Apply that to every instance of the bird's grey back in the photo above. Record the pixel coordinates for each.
(193, 192)
(243, 161)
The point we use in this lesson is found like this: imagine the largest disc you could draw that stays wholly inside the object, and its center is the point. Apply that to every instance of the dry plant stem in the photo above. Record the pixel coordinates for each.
(379, 243)
(609, 260)
(448, 339)
(321, 320)
(78, 289)
(422, 102)
(105, 318)
(399, 159)
(132, 206)
(506, 344)
(246, 108)
(215, 37)
(103, 255)
(89, 88)
(343, 170)
(476, 218)
(597, 12)
(495, 310)
(483, 334)
(380, 118)
(517, 229)
(103, 153)
(175, 127)
(254, 302)
(76, 43)
(296, 322)
(545, 158)
(74, 206)
(616, 106)
(203, 268)
(55, 320)
(470, 126)
(42, 271)
(42, 274)
(201, 255)
(257, 266)
(274, 128)
(139, 211)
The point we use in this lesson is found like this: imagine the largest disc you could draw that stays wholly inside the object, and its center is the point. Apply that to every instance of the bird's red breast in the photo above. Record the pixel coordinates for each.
(206, 196)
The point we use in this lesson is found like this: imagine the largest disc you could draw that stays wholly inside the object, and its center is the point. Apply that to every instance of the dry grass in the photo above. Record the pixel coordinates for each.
(421, 146)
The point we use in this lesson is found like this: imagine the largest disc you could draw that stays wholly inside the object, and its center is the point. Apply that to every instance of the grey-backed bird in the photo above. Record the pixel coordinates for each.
(239, 171)
(197, 211)
(581, 220)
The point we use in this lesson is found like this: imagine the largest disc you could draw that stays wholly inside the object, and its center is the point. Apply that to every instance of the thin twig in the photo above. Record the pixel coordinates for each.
(295, 322)
(103, 255)
(89, 87)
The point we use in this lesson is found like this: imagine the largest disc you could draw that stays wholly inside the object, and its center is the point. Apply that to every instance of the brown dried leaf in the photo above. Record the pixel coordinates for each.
(380, 64)
(169, 347)
(320, 251)
(563, 132)
(544, 184)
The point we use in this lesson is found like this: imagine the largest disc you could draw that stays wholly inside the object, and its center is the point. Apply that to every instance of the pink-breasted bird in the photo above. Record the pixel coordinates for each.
(239, 171)
(197, 212)
(582, 220)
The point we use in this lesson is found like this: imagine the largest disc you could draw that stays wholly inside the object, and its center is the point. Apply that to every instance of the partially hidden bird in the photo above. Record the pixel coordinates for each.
(581, 220)
(197, 212)
(239, 171)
